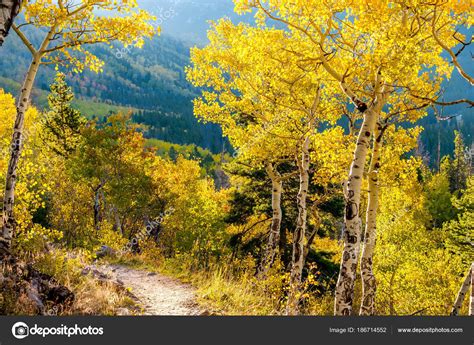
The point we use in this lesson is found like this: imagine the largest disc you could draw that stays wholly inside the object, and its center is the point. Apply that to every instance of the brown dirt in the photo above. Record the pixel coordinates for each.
(155, 293)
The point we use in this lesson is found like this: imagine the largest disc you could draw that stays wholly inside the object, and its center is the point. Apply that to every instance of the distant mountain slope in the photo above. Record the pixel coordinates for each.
(462, 115)
(151, 81)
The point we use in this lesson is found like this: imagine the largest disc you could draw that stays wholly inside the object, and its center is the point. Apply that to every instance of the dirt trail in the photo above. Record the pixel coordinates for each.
(156, 293)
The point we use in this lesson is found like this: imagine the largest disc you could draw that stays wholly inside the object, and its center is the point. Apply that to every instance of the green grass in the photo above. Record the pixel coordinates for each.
(87, 107)
(92, 108)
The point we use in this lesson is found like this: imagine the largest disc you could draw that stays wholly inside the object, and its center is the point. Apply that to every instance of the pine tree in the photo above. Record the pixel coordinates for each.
(460, 166)
(195, 154)
(173, 154)
(461, 231)
(62, 123)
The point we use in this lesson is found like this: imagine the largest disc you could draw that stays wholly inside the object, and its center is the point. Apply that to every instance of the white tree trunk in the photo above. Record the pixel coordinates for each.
(462, 293)
(8, 11)
(8, 220)
(97, 206)
(299, 234)
(271, 248)
(367, 306)
(117, 222)
(471, 301)
(352, 223)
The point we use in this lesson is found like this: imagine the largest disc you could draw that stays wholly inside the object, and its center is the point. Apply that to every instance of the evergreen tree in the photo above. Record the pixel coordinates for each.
(460, 165)
(207, 161)
(461, 231)
(173, 154)
(195, 154)
(457, 170)
(62, 124)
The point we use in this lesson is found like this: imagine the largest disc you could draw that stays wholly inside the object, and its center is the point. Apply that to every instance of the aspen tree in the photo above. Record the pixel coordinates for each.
(242, 102)
(445, 29)
(462, 293)
(70, 27)
(471, 299)
(8, 11)
(378, 53)
(259, 88)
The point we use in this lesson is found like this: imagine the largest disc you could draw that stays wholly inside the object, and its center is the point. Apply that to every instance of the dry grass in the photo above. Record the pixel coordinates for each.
(91, 296)
(97, 298)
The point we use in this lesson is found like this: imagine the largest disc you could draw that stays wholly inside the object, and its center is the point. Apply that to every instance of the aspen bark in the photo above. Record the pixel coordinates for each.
(367, 306)
(117, 223)
(462, 293)
(274, 237)
(471, 301)
(97, 204)
(8, 11)
(309, 241)
(8, 219)
(97, 215)
(352, 223)
(299, 234)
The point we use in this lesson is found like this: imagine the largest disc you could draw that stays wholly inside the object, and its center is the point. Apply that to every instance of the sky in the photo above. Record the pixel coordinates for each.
(188, 19)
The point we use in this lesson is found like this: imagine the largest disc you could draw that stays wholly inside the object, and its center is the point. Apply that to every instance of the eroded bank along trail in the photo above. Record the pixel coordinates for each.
(156, 293)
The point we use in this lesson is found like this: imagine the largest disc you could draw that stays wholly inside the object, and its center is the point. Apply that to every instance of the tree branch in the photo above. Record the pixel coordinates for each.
(24, 39)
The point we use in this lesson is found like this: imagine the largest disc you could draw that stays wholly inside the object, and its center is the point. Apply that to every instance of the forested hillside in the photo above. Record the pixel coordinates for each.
(150, 82)
(322, 182)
